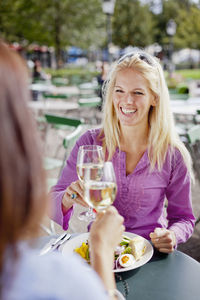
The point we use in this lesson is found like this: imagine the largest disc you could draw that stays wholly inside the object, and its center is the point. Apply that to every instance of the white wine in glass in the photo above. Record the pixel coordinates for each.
(94, 169)
(101, 193)
(90, 162)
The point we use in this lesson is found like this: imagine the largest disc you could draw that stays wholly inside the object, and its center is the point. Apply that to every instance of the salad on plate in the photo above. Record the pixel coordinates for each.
(127, 253)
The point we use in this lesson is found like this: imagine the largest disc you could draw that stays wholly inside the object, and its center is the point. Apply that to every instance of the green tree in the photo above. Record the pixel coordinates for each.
(76, 22)
(57, 23)
(20, 19)
(188, 31)
(133, 24)
(170, 11)
(186, 15)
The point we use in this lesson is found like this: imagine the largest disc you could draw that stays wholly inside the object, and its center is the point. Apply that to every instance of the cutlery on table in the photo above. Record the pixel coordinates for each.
(59, 241)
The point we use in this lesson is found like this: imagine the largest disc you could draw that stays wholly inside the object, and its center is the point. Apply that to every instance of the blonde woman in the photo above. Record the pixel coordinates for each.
(151, 163)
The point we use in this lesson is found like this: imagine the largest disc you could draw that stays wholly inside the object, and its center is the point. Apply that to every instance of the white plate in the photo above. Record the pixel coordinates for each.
(77, 241)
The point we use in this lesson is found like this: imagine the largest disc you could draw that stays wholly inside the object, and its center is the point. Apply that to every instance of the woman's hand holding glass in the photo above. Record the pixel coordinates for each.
(89, 157)
(74, 194)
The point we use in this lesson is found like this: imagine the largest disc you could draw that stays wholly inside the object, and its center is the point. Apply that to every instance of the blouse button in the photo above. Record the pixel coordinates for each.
(124, 189)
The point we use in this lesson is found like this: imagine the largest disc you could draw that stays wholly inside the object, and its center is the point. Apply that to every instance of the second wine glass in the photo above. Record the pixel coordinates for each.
(90, 162)
(100, 194)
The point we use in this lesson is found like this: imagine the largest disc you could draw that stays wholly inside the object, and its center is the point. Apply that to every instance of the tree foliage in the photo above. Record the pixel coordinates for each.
(57, 23)
(133, 24)
(188, 31)
(186, 14)
(82, 23)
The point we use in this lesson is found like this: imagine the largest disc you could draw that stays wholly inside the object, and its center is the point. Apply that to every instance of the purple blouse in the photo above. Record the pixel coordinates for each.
(140, 195)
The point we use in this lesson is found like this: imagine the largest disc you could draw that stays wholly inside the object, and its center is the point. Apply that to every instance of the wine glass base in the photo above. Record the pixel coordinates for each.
(87, 216)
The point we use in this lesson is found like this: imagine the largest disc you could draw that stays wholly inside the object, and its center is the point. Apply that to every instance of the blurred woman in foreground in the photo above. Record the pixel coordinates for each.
(23, 201)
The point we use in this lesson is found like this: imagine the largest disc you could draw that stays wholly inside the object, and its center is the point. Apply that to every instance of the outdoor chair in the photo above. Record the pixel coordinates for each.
(193, 145)
(55, 96)
(75, 128)
(88, 86)
(89, 102)
(197, 117)
(86, 94)
(177, 96)
(90, 105)
(59, 81)
(184, 123)
(76, 80)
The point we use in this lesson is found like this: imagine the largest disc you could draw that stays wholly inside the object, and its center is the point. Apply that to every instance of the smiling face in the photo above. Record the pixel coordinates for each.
(132, 98)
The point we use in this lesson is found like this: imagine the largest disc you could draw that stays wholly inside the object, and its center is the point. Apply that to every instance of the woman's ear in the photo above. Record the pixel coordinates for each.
(154, 100)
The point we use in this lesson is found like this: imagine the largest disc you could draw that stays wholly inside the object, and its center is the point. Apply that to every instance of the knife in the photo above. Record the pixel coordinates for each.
(59, 241)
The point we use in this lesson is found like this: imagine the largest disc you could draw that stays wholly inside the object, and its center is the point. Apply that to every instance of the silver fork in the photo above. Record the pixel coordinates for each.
(59, 241)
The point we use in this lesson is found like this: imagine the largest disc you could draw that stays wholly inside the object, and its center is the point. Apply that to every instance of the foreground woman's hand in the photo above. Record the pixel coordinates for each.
(163, 239)
(74, 194)
(105, 234)
(107, 230)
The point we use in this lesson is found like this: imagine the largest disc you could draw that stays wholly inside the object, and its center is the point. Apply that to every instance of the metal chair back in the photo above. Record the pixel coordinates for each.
(193, 145)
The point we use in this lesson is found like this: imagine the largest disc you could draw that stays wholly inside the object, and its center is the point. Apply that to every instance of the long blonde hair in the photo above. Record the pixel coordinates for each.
(162, 132)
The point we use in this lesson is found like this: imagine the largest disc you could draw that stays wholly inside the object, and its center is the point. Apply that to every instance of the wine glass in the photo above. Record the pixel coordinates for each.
(101, 193)
(90, 161)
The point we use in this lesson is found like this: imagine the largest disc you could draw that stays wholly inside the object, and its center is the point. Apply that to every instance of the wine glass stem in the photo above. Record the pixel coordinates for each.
(90, 211)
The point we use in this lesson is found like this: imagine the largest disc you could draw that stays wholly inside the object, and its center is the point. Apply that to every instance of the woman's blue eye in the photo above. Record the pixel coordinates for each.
(139, 93)
(118, 91)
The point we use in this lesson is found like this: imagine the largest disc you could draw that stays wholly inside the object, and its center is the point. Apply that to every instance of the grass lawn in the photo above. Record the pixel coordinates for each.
(189, 73)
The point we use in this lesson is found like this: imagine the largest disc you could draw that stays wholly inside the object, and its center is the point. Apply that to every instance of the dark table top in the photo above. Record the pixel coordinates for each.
(173, 276)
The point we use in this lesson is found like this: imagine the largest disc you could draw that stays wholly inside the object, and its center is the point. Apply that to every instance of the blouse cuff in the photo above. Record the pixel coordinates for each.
(66, 217)
(178, 234)
(115, 293)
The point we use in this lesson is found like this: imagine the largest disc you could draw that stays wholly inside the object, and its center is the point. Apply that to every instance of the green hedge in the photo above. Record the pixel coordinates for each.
(73, 75)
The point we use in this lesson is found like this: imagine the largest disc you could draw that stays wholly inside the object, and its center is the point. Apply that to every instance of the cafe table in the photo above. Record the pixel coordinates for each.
(185, 107)
(50, 88)
(52, 105)
(174, 276)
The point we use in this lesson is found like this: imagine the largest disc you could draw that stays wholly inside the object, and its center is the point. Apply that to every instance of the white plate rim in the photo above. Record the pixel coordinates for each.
(69, 246)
